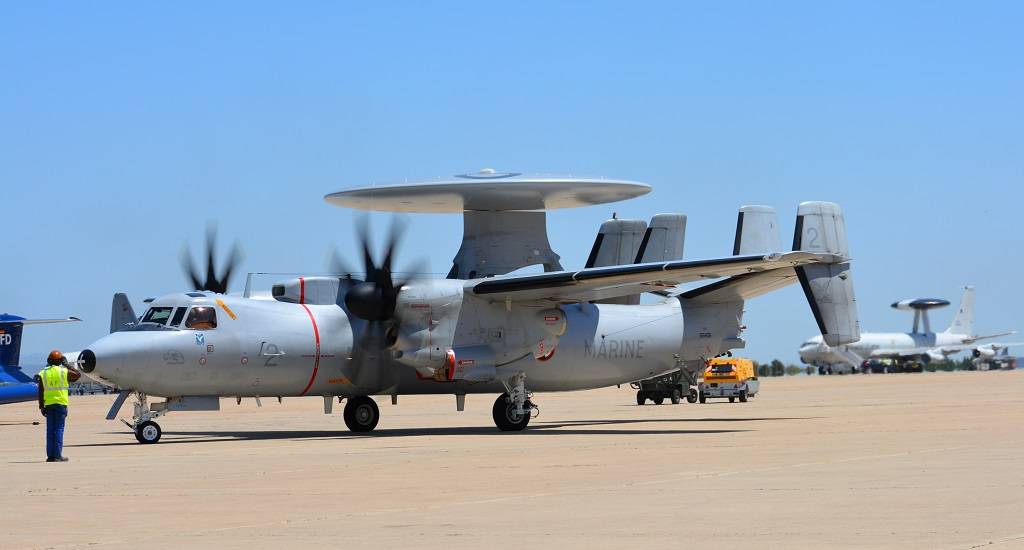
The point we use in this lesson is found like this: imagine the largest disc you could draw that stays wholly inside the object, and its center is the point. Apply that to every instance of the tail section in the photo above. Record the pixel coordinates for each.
(10, 349)
(963, 323)
(663, 241)
(820, 228)
(757, 231)
(617, 243)
(121, 313)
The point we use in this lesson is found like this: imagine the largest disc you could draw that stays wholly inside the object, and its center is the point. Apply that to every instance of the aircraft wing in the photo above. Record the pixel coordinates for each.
(973, 339)
(48, 321)
(899, 353)
(625, 280)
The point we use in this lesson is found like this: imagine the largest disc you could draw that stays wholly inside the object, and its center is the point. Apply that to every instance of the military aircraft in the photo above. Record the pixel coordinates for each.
(994, 356)
(15, 385)
(910, 349)
(481, 330)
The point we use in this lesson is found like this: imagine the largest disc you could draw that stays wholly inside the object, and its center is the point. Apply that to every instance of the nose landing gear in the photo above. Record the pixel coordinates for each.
(146, 430)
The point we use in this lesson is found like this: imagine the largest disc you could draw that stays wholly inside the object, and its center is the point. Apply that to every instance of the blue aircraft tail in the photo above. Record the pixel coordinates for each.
(10, 350)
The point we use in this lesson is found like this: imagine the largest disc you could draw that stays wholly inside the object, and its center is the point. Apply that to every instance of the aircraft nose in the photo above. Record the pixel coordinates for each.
(103, 358)
(87, 361)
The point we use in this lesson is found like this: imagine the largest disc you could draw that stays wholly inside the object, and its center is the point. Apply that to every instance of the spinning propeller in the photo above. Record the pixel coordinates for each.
(374, 301)
(213, 283)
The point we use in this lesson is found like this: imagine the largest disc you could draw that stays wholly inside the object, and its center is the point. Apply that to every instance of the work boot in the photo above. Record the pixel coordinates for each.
(51, 459)
(61, 459)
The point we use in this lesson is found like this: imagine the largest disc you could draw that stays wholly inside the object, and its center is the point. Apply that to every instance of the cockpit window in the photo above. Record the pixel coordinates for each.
(157, 315)
(179, 314)
(201, 318)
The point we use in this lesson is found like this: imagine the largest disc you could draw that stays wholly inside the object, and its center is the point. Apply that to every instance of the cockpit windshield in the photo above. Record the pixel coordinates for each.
(722, 369)
(201, 318)
(157, 315)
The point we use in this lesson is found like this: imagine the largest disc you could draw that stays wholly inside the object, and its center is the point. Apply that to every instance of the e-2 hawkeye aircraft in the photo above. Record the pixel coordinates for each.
(481, 330)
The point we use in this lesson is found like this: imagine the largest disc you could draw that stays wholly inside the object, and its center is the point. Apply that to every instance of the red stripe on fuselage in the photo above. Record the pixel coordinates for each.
(302, 292)
(316, 358)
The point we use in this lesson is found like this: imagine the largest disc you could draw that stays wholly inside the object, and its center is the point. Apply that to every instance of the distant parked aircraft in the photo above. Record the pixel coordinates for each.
(909, 349)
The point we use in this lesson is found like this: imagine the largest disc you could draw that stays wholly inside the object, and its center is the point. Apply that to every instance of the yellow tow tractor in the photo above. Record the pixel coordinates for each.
(728, 377)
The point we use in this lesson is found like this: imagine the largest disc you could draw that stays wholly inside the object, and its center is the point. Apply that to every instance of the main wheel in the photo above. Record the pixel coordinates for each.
(701, 397)
(361, 414)
(743, 396)
(640, 397)
(692, 396)
(732, 399)
(505, 416)
(658, 400)
(676, 397)
(148, 432)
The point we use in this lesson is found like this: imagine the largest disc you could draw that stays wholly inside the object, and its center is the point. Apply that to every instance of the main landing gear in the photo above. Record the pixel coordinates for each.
(146, 430)
(361, 414)
(513, 410)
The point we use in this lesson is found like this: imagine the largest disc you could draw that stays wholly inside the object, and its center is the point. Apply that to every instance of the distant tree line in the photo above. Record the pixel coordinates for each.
(778, 368)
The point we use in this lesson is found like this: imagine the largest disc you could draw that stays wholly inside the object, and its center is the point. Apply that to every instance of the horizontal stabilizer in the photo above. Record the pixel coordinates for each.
(609, 282)
(820, 228)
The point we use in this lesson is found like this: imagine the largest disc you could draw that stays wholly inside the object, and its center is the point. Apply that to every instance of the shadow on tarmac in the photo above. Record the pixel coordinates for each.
(571, 427)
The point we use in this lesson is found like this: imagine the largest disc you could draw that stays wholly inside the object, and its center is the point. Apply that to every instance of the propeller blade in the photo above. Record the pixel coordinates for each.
(374, 301)
(213, 283)
(190, 268)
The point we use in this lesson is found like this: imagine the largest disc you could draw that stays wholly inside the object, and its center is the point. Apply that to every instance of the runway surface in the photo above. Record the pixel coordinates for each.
(928, 460)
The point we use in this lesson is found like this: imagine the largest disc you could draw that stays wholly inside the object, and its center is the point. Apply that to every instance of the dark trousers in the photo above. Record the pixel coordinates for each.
(55, 416)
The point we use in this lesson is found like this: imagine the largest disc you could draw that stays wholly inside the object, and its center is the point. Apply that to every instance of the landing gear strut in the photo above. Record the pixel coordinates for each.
(512, 410)
(146, 430)
(361, 414)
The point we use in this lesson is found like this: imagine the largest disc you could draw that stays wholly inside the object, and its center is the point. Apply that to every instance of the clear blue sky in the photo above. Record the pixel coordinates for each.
(125, 127)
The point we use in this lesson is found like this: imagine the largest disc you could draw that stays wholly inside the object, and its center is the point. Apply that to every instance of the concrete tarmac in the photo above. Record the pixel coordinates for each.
(929, 460)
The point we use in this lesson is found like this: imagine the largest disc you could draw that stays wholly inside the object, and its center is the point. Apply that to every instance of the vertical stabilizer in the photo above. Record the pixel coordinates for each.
(757, 231)
(618, 242)
(820, 228)
(121, 313)
(10, 340)
(663, 240)
(963, 323)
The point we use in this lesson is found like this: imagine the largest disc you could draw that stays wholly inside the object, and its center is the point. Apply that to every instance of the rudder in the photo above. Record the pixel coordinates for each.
(821, 228)
(963, 322)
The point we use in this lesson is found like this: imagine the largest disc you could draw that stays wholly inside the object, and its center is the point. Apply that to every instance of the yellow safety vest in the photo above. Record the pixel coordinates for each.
(55, 385)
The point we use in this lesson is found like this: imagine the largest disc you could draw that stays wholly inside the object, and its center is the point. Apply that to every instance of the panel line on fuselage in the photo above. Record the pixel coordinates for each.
(316, 356)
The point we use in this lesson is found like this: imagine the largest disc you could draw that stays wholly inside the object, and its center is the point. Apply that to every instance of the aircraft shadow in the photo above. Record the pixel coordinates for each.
(572, 427)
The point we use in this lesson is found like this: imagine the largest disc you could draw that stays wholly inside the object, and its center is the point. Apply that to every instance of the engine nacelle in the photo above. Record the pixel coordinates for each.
(984, 351)
(933, 356)
(470, 363)
(309, 290)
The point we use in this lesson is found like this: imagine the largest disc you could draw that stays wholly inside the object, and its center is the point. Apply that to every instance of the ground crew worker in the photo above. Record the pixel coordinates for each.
(53, 384)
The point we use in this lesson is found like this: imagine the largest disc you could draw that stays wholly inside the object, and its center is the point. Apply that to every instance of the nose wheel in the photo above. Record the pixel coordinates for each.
(148, 432)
